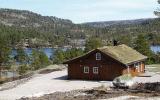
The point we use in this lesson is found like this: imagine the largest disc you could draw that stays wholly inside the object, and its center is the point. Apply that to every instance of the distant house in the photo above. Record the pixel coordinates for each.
(106, 63)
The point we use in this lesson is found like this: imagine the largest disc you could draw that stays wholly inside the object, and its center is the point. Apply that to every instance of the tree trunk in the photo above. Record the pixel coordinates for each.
(0, 71)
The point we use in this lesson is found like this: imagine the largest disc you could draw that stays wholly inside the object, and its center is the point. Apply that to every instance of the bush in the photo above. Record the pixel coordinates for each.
(39, 60)
(60, 55)
(23, 69)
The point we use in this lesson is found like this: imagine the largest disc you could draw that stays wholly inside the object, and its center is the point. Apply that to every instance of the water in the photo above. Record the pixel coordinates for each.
(48, 51)
(155, 48)
(9, 74)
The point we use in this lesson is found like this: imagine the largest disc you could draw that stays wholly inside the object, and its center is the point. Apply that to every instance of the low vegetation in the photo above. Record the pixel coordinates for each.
(61, 56)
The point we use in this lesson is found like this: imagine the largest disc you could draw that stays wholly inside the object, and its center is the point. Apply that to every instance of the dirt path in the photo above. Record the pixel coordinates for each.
(48, 83)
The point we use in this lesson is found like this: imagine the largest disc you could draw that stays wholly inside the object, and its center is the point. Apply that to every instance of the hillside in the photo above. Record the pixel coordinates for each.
(23, 18)
(127, 30)
(19, 25)
(118, 22)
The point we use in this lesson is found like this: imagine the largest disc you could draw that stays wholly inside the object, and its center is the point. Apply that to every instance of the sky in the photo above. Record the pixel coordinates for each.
(80, 11)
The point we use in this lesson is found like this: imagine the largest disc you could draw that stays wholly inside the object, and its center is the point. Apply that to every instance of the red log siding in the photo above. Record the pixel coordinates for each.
(108, 68)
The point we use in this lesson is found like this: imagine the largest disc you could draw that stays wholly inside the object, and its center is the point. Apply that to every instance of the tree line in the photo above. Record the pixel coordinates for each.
(61, 32)
(38, 58)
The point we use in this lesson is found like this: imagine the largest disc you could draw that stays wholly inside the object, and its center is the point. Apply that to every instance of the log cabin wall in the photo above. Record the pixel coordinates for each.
(108, 68)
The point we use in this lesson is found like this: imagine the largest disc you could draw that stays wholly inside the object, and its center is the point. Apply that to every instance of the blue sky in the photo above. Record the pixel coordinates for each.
(80, 11)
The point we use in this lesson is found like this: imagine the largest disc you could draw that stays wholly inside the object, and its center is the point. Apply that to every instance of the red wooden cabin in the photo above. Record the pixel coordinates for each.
(106, 63)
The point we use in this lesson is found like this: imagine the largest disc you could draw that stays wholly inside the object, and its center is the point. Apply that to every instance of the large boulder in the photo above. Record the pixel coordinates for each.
(124, 81)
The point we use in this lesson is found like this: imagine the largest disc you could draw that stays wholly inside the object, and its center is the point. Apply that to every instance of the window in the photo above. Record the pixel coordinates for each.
(137, 66)
(95, 70)
(98, 56)
(86, 69)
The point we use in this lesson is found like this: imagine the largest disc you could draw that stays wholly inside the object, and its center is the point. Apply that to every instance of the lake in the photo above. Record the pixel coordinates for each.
(155, 48)
(48, 51)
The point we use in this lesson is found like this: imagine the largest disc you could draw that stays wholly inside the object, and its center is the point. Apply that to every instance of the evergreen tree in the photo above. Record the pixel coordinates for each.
(59, 56)
(35, 60)
(5, 52)
(21, 56)
(22, 69)
(23, 60)
(39, 60)
(72, 53)
(43, 59)
(92, 43)
(157, 13)
(142, 46)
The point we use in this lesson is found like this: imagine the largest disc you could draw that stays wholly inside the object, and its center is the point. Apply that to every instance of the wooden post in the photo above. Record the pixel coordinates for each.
(128, 71)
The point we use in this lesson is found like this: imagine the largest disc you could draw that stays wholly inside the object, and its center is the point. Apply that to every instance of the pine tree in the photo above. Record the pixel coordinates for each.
(157, 13)
(59, 56)
(35, 60)
(142, 45)
(5, 52)
(43, 59)
(39, 60)
(21, 56)
(92, 43)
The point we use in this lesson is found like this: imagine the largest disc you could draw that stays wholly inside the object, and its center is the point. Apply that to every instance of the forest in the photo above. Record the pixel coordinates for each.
(18, 25)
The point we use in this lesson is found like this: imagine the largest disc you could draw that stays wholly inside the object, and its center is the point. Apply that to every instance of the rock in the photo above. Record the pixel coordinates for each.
(124, 81)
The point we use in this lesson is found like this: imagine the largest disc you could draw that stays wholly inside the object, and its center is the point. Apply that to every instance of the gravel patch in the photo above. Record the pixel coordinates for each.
(49, 83)
(152, 79)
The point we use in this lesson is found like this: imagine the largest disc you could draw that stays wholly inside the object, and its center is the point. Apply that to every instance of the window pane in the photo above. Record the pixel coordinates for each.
(86, 69)
(95, 70)
(98, 56)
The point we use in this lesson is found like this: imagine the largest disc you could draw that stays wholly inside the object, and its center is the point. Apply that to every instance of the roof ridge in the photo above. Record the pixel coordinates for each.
(104, 47)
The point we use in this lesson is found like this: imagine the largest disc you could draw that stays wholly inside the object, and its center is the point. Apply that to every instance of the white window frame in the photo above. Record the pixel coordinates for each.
(86, 69)
(137, 66)
(98, 56)
(95, 70)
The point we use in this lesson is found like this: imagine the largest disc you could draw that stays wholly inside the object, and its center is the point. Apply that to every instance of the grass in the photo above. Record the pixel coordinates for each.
(153, 68)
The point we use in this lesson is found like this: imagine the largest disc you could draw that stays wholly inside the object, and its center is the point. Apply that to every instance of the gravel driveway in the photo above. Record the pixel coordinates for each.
(152, 79)
(49, 83)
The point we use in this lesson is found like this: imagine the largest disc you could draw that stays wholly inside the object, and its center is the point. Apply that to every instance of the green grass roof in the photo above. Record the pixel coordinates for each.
(123, 53)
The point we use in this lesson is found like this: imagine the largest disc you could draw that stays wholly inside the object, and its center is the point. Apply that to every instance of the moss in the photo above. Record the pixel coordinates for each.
(126, 77)
(122, 53)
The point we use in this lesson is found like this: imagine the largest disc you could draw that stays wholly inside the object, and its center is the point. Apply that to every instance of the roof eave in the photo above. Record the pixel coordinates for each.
(130, 63)
(76, 58)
